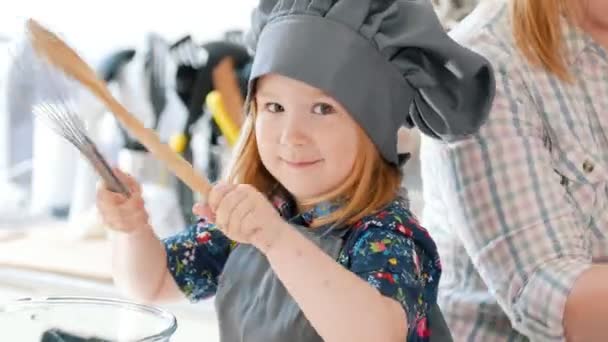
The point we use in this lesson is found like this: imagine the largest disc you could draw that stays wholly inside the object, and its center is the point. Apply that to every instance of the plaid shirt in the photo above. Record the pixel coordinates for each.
(519, 210)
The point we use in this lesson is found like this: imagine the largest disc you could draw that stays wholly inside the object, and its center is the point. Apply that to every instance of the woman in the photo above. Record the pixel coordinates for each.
(525, 199)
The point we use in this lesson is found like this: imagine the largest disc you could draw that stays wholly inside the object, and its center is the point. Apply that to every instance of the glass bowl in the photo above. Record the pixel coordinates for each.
(73, 319)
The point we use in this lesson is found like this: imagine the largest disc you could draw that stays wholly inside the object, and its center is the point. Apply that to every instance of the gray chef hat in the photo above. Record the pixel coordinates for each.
(388, 62)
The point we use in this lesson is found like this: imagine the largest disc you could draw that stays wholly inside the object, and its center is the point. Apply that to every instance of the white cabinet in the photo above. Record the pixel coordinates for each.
(4, 118)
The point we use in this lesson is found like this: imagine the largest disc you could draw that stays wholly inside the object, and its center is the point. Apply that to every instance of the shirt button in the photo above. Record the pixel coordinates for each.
(588, 166)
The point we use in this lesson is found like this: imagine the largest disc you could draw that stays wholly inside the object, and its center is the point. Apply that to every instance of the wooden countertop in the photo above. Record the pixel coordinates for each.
(50, 248)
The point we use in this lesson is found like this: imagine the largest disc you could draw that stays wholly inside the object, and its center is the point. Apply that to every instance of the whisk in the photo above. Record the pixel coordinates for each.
(58, 56)
(61, 118)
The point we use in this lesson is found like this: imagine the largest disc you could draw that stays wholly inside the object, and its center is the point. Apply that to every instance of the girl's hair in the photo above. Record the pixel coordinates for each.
(537, 29)
(372, 184)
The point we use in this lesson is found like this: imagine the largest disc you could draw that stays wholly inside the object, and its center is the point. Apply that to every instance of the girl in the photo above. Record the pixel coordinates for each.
(309, 238)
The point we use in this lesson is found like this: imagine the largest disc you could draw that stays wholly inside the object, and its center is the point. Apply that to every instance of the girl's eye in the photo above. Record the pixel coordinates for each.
(323, 109)
(273, 107)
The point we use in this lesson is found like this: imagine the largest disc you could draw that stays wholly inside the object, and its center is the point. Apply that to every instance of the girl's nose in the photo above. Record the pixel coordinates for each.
(294, 130)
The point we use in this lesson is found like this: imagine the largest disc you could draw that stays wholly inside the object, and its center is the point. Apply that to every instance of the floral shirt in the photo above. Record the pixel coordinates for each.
(388, 249)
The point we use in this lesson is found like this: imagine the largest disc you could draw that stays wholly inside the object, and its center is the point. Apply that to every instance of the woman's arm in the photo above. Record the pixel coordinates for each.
(586, 315)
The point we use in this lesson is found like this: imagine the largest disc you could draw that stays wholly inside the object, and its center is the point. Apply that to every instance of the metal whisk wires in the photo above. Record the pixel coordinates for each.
(63, 120)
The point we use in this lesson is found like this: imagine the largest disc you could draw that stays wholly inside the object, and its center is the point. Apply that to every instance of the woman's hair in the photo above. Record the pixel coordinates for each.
(537, 28)
(371, 185)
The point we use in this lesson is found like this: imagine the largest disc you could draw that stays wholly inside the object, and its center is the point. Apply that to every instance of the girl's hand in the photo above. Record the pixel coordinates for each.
(243, 214)
(119, 212)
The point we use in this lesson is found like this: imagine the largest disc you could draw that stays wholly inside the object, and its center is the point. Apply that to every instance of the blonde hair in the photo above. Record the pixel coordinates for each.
(538, 33)
(371, 185)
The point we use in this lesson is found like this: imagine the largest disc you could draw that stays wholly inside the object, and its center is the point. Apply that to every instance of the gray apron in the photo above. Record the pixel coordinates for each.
(253, 305)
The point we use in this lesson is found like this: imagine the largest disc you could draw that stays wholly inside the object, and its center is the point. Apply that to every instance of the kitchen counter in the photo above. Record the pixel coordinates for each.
(44, 262)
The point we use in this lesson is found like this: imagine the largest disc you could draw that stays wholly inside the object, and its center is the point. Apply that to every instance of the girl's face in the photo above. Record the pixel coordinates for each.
(306, 139)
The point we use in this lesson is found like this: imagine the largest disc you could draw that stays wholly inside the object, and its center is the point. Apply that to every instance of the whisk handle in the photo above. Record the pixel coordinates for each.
(150, 139)
(105, 172)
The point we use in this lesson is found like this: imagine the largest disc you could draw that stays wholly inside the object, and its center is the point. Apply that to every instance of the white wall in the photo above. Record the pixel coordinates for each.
(95, 28)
